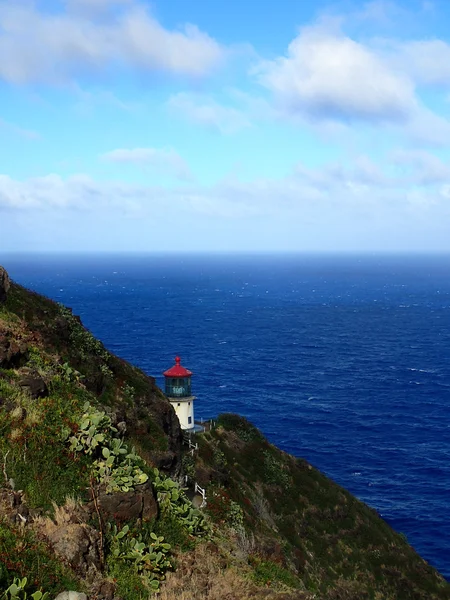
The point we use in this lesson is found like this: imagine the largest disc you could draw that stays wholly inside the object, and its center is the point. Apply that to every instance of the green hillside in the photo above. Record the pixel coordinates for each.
(91, 497)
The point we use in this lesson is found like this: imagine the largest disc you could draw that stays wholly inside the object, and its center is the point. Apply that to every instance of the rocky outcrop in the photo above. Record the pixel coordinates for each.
(5, 284)
(34, 385)
(13, 353)
(77, 545)
(125, 506)
(13, 507)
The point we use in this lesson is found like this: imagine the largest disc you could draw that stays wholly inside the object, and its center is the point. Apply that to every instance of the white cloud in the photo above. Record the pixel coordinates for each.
(422, 168)
(163, 161)
(43, 47)
(362, 172)
(328, 80)
(79, 192)
(205, 111)
(363, 183)
(361, 206)
(427, 128)
(328, 75)
(427, 62)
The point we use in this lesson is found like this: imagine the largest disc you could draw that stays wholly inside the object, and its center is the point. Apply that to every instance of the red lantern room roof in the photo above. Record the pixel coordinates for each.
(177, 370)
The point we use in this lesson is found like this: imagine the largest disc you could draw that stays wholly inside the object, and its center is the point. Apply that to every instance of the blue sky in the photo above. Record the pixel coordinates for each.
(128, 125)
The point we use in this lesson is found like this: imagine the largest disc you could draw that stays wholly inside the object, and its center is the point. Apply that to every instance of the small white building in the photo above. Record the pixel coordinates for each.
(178, 391)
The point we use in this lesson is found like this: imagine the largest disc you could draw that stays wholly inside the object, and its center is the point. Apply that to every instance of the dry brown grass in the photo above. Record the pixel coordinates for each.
(204, 574)
(62, 515)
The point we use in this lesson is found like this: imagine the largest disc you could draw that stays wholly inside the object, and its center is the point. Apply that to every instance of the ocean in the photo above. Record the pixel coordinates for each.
(342, 360)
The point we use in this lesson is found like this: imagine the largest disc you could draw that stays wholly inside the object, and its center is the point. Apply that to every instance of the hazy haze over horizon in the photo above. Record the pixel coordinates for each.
(129, 125)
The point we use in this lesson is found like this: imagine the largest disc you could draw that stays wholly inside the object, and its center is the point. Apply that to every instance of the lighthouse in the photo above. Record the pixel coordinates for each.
(178, 390)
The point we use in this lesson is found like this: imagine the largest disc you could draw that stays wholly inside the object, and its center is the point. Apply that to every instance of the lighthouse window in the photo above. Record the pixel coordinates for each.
(178, 404)
(189, 403)
(189, 420)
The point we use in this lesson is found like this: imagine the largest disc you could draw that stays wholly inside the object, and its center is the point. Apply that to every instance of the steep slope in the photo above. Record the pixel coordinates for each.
(36, 332)
(87, 445)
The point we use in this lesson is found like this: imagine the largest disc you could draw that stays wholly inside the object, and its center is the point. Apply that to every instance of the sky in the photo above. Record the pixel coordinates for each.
(225, 126)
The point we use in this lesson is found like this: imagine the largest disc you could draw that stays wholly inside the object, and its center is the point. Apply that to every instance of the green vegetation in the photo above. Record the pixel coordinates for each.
(18, 590)
(23, 556)
(31, 444)
(116, 467)
(174, 501)
(150, 560)
(171, 529)
(306, 526)
(96, 434)
(269, 573)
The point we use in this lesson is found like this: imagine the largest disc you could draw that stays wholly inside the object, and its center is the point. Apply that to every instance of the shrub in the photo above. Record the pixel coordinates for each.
(223, 509)
(172, 499)
(17, 590)
(116, 467)
(172, 529)
(273, 470)
(267, 572)
(82, 339)
(241, 426)
(149, 560)
(188, 464)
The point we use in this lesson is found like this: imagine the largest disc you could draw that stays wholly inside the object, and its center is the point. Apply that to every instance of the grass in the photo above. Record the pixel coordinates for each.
(206, 573)
(172, 530)
(129, 585)
(33, 442)
(328, 536)
(23, 555)
(270, 573)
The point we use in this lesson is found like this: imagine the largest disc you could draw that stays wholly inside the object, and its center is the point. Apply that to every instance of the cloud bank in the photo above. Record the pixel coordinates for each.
(329, 75)
(46, 47)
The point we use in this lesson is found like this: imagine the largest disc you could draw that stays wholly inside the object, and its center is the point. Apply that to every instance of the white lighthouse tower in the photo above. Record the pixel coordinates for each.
(178, 390)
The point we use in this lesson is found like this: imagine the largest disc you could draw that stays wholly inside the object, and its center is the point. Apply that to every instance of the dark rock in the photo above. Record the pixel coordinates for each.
(126, 506)
(62, 328)
(7, 404)
(23, 510)
(79, 546)
(299, 560)
(106, 590)
(102, 589)
(5, 284)
(13, 353)
(164, 461)
(34, 385)
(12, 506)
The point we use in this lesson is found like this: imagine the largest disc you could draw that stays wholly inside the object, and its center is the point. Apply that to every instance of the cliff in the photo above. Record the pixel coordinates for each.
(92, 458)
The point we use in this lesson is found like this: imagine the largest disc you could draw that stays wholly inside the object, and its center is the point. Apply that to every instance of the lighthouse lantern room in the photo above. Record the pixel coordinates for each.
(178, 390)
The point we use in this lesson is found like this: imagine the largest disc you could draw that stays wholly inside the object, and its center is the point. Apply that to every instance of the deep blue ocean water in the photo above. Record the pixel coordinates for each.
(344, 360)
